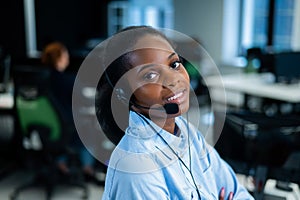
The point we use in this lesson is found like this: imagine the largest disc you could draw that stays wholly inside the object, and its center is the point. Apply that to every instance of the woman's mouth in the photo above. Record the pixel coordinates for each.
(177, 98)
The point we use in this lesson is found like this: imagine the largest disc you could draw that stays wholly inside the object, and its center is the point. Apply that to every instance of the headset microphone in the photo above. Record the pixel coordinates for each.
(169, 108)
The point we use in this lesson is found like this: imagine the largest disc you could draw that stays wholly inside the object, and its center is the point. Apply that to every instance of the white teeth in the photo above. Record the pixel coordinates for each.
(175, 96)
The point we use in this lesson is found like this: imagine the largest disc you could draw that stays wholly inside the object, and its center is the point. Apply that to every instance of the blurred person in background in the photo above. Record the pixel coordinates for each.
(56, 56)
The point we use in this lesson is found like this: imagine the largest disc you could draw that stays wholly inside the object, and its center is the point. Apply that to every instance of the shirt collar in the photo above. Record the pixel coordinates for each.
(140, 129)
(143, 150)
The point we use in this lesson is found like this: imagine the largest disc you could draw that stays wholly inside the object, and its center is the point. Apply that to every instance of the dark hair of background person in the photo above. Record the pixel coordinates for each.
(52, 53)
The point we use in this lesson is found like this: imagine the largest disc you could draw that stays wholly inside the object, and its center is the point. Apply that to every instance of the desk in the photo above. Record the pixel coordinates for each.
(259, 85)
(7, 98)
(6, 115)
(7, 130)
(6, 101)
(269, 135)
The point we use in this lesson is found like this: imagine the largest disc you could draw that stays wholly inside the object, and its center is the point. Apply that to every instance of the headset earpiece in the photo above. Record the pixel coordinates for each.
(121, 95)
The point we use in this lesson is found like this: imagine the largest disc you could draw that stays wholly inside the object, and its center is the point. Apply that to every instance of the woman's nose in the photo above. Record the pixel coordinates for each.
(171, 78)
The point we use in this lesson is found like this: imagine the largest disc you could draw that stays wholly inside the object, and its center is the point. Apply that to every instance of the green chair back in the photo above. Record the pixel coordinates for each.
(38, 111)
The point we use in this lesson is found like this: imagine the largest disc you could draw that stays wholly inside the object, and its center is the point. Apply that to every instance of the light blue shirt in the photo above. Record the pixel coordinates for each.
(143, 166)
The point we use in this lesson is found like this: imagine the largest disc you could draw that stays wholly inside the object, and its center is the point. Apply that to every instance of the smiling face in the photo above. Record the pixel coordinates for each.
(158, 77)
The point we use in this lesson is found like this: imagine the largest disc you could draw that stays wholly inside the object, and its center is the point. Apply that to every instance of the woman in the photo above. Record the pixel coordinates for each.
(56, 56)
(160, 155)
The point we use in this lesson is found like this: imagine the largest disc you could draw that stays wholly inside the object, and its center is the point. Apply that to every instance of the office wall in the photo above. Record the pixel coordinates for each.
(12, 29)
(78, 20)
(202, 19)
(70, 21)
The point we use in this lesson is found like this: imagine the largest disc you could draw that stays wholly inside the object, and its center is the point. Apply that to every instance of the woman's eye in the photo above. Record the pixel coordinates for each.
(176, 64)
(150, 76)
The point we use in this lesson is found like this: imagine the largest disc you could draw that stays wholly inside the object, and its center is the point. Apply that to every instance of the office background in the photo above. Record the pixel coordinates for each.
(225, 28)
(75, 22)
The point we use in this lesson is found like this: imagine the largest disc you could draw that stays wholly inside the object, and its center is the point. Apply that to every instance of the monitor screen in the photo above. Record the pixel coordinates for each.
(5, 63)
(287, 67)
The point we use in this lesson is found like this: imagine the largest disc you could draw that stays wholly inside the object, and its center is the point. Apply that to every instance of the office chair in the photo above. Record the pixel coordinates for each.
(44, 133)
(260, 146)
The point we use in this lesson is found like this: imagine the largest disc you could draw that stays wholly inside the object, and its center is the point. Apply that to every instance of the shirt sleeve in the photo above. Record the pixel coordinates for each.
(122, 185)
(227, 178)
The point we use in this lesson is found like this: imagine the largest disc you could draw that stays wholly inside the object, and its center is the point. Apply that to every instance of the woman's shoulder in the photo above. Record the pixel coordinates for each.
(132, 160)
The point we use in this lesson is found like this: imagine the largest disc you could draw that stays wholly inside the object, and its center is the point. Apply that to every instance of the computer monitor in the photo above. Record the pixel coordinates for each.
(287, 67)
(5, 64)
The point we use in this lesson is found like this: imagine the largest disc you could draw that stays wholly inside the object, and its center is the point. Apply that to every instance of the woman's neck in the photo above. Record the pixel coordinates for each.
(166, 124)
